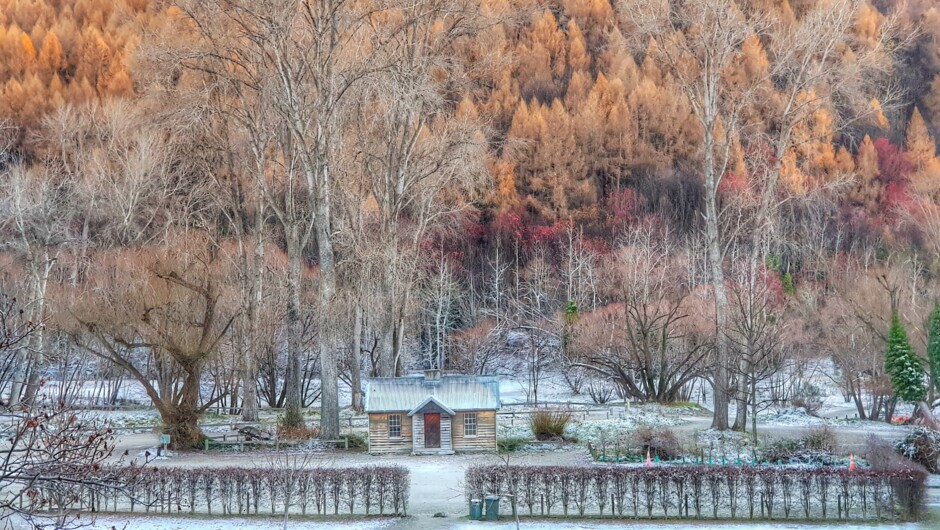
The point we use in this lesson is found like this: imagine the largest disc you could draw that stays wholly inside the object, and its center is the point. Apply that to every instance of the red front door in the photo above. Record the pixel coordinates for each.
(432, 430)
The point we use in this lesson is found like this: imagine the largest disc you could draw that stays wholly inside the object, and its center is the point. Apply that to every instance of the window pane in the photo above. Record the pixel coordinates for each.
(394, 425)
(470, 424)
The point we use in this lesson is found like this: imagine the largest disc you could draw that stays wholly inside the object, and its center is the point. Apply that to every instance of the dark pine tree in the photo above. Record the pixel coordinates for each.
(933, 348)
(903, 365)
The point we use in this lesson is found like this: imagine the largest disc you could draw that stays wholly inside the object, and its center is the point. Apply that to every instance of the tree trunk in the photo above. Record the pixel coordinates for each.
(746, 379)
(35, 349)
(329, 372)
(716, 268)
(250, 373)
(293, 415)
(398, 346)
(754, 409)
(386, 358)
(355, 361)
(386, 353)
(181, 420)
(740, 413)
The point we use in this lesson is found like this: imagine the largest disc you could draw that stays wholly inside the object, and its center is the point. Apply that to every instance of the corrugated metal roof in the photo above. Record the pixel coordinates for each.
(458, 392)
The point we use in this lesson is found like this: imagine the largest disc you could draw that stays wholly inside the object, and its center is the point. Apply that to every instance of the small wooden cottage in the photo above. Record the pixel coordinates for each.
(432, 414)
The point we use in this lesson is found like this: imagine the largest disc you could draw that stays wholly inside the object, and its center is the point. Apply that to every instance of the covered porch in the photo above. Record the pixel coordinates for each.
(433, 434)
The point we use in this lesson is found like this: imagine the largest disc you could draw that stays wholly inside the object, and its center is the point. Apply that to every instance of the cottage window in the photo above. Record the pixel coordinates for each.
(394, 426)
(470, 424)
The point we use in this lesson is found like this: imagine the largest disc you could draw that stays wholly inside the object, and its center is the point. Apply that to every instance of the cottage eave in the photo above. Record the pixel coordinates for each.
(406, 411)
(428, 401)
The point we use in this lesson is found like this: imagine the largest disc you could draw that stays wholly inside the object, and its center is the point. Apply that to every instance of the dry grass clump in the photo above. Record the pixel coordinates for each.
(549, 424)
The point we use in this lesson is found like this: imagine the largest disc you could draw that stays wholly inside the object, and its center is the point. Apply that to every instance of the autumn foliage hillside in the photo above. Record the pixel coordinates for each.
(427, 182)
(578, 109)
(62, 51)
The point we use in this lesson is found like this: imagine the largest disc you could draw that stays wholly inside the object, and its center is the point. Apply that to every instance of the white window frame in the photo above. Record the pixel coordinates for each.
(397, 423)
(470, 418)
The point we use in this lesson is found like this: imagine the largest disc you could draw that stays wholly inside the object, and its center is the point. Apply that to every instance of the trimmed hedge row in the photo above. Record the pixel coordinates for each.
(764, 492)
(369, 490)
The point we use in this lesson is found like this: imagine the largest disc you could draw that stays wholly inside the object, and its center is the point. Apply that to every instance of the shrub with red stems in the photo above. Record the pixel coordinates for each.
(698, 491)
(368, 490)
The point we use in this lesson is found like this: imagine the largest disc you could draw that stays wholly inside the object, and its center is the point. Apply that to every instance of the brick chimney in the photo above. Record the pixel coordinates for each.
(432, 375)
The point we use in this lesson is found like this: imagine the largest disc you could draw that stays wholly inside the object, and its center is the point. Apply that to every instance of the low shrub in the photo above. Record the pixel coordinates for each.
(683, 405)
(660, 443)
(601, 392)
(881, 454)
(575, 377)
(297, 434)
(808, 397)
(921, 446)
(511, 444)
(358, 441)
(815, 448)
(549, 424)
(820, 439)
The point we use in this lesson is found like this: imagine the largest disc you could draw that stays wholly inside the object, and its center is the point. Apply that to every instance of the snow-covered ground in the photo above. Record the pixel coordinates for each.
(231, 523)
(185, 523)
(591, 423)
(665, 525)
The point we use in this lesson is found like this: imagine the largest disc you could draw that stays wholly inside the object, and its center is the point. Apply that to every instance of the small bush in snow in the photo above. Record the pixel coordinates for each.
(808, 397)
(820, 439)
(601, 392)
(575, 377)
(303, 433)
(511, 444)
(816, 448)
(658, 442)
(881, 454)
(922, 446)
(549, 424)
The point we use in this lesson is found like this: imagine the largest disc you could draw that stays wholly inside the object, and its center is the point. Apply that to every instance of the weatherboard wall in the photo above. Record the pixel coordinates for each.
(379, 441)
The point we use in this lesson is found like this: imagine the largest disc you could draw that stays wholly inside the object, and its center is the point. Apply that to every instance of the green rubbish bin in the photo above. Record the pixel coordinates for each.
(476, 509)
(492, 507)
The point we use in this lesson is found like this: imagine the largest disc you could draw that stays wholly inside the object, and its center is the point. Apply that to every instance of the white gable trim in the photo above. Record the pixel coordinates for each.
(427, 400)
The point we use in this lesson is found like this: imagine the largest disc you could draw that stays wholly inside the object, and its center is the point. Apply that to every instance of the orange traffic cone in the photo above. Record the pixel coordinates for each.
(852, 462)
(649, 463)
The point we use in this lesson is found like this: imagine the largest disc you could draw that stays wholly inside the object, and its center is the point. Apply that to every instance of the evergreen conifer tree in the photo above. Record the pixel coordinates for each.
(903, 365)
(933, 347)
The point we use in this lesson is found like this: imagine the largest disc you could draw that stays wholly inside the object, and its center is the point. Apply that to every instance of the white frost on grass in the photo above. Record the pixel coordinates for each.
(788, 416)
(609, 431)
(596, 431)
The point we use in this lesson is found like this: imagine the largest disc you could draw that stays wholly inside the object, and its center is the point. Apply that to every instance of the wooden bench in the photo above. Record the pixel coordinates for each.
(237, 439)
(344, 440)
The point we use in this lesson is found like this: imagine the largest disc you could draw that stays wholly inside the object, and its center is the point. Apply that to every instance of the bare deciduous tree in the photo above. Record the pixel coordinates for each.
(161, 313)
(698, 40)
(644, 342)
(35, 213)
